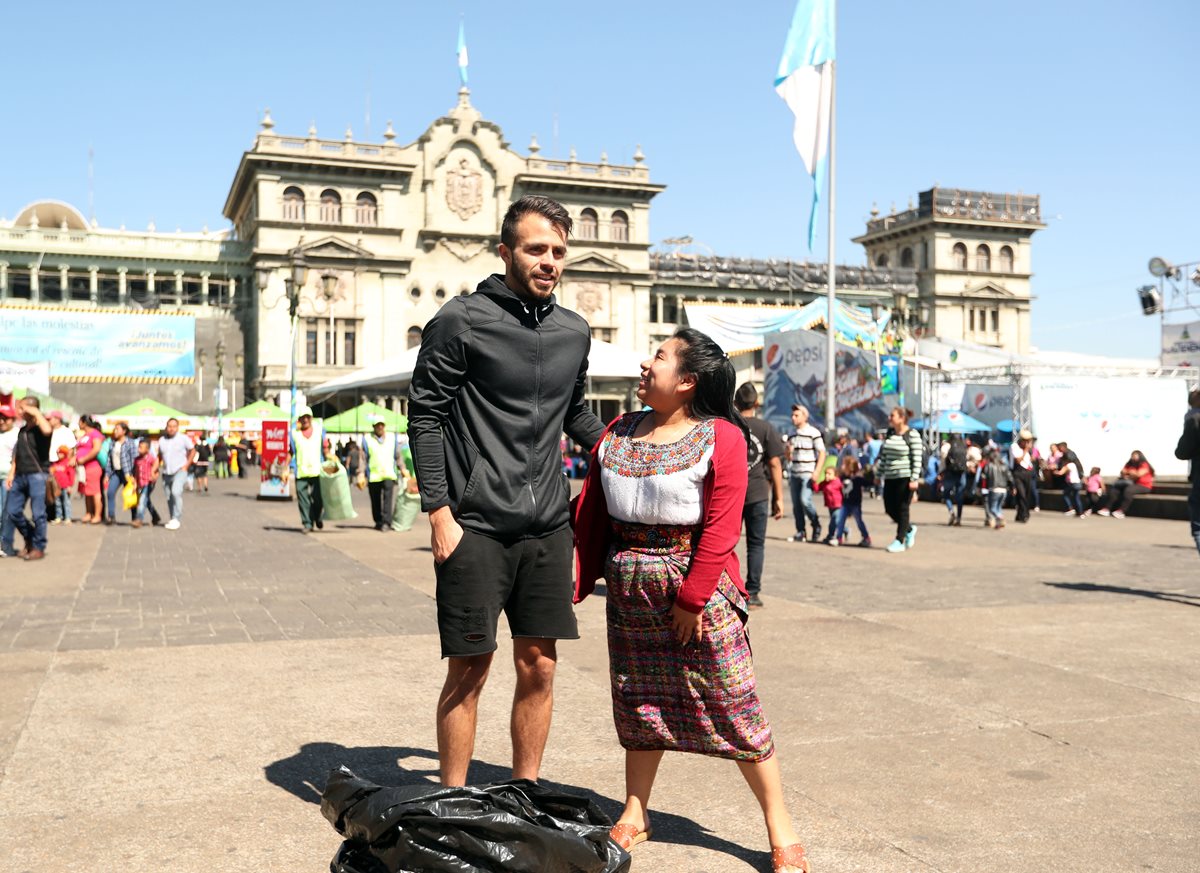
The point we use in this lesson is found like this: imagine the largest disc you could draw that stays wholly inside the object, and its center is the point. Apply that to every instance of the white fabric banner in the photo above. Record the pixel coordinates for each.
(32, 377)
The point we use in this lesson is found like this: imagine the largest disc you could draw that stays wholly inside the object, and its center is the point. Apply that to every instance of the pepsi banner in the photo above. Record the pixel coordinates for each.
(795, 373)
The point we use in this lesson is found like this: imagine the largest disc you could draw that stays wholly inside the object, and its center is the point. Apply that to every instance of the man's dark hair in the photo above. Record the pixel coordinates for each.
(172, 419)
(796, 407)
(746, 397)
(145, 440)
(32, 401)
(551, 210)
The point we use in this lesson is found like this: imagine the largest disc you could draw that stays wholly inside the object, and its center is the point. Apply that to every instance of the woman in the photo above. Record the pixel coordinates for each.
(122, 454)
(87, 452)
(1137, 477)
(900, 465)
(200, 468)
(221, 458)
(681, 671)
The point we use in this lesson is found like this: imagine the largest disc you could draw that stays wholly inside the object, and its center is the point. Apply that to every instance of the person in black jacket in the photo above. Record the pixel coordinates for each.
(501, 374)
(1188, 449)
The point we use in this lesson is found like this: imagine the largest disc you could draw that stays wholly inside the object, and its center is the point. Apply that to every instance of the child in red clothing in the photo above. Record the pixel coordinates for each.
(64, 475)
(146, 470)
(831, 490)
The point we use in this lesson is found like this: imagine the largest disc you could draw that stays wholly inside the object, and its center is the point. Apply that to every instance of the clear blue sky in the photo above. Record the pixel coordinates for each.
(1090, 104)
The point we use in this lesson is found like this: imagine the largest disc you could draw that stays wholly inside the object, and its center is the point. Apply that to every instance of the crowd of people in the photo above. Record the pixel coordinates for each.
(48, 462)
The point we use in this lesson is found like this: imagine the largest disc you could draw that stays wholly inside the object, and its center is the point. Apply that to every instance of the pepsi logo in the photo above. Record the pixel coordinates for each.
(774, 356)
(981, 401)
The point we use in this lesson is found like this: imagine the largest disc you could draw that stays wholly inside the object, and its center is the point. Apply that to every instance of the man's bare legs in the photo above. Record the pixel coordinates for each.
(533, 703)
(457, 708)
(533, 706)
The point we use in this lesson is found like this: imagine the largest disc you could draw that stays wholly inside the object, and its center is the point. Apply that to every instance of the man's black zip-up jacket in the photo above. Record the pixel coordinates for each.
(497, 382)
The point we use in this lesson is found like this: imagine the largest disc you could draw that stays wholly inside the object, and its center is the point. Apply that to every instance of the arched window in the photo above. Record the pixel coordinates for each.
(1006, 259)
(960, 256)
(881, 260)
(619, 228)
(366, 209)
(587, 224)
(906, 257)
(293, 204)
(414, 337)
(331, 207)
(983, 259)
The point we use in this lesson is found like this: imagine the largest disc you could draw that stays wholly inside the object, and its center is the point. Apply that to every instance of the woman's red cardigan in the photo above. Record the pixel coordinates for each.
(720, 529)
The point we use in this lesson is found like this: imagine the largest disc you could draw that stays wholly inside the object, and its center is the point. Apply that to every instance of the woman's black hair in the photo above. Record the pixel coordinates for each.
(716, 379)
(1141, 459)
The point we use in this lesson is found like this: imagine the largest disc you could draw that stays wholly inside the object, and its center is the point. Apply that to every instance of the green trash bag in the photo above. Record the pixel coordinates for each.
(405, 511)
(335, 492)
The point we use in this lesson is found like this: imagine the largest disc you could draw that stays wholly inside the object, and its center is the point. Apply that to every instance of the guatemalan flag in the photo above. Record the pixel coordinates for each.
(462, 54)
(805, 82)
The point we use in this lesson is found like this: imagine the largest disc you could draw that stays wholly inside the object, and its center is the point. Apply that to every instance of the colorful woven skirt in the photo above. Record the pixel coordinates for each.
(695, 697)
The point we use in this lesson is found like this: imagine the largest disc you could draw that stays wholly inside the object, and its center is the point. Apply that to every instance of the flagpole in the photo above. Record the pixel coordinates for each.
(830, 344)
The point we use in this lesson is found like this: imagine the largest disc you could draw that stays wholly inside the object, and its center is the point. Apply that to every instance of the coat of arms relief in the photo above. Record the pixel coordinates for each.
(464, 190)
(591, 301)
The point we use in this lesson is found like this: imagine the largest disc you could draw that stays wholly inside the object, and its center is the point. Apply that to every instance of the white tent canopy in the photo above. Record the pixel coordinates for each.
(606, 362)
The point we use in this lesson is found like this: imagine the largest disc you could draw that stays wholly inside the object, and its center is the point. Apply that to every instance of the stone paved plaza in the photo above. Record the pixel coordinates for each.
(1025, 699)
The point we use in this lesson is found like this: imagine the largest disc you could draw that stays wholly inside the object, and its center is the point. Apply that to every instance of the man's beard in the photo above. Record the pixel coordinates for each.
(534, 290)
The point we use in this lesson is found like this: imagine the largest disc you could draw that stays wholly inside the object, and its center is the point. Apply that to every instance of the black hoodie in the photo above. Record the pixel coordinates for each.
(496, 384)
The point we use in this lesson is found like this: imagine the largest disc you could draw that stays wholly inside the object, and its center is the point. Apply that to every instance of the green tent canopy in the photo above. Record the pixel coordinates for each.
(259, 409)
(145, 408)
(356, 420)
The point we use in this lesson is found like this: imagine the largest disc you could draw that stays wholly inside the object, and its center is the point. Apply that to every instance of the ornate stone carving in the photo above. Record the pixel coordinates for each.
(463, 249)
(464, 190)
(591, 301)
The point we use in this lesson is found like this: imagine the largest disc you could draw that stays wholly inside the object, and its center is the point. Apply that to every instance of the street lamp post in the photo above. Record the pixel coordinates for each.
(220, 360)
(295, 281)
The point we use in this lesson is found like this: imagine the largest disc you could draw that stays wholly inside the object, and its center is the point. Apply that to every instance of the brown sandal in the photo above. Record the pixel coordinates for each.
(628, 835)
(789, 859)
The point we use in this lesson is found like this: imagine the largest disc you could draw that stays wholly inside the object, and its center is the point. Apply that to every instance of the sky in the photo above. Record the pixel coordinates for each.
(1090, 104)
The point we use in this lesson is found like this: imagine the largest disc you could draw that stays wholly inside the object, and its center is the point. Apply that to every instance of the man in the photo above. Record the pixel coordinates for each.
(764, 491)
(806, 455)
(954, 478)
(1022, 467)
(27, 481)
(385, 465)
(8, 443)
(309, 444)
(501, 374)
(1188, 449)
(176, 454)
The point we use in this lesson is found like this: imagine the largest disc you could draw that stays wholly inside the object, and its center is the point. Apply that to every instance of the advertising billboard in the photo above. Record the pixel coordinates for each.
(1103, 419)
(275, 483)
(796, 373)
(990, 404)
(96, 346)
(1181, 345)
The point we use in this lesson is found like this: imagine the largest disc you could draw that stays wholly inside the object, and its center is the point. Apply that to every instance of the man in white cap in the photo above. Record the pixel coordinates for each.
(385, 465)
(1023, 473)
(309, 445)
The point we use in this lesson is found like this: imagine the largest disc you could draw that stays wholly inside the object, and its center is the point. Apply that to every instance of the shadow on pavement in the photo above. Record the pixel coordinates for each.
(303, 775)
(1169, 596)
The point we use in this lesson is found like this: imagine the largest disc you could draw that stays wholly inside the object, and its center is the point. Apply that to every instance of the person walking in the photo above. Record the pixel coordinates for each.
(1188, 449)
(658, 519)
(8, 444)
(385, 466)
(145, 471)
(900, 465)
(500, 375)
(954, 478)
(308, 449)
(1137, 477)
(176, 454)
(1069, 469)
(764, 491)
(221, 458)
(121, 456)
(1024, 470)
(353, 461)
(999, 478)
(831, 494)
(87, 456)
(806, 455)
(853, 483)
(62, 436)
(203, 461)
(27, 481)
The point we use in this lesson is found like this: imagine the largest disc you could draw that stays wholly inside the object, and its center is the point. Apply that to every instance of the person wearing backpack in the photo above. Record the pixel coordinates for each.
(954, 479)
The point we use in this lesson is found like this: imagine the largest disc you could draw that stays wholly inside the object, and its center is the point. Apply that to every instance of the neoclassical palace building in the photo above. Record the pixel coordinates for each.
(388, 232)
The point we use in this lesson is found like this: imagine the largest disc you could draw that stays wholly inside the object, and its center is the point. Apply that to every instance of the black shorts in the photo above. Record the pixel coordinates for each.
(529, 580)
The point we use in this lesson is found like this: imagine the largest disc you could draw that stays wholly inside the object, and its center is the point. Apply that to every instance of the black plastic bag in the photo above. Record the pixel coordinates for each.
(508, 826)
